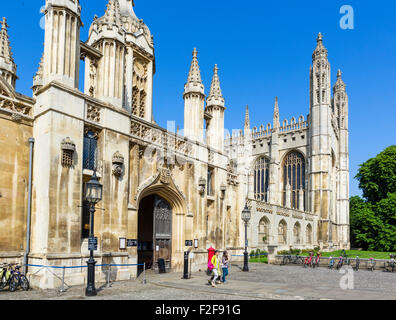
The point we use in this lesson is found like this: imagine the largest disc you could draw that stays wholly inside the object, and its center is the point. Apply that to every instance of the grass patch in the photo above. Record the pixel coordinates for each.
(354, 253)
(262, 259)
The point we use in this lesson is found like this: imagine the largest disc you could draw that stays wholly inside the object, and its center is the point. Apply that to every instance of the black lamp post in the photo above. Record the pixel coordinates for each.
(246, 215)
(92, 194)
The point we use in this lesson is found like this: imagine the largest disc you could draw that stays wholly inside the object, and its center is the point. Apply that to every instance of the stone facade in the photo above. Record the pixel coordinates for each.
(161, 188)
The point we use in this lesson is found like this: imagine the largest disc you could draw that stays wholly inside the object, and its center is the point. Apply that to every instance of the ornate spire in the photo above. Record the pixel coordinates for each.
(7, 64)
(276, 114)
(247, 119)
(5, 49)
(194, 74)
(320, 51)
(340, 84)
(215, 97)
(113, 15)
(194, 82)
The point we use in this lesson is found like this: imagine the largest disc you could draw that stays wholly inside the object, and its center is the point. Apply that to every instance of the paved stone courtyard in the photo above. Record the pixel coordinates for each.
(263, 282)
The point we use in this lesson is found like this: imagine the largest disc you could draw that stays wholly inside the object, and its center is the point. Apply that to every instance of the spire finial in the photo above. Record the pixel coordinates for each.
(215, 96)
(194, 74)
(247, 118)
(5, 49)
(133, 3)
(276, 114)
(194, 81)
(339, 74)
(320, 50)
(4, 24)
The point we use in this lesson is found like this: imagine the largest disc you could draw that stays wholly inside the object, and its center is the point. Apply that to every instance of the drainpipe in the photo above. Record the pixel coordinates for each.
(29, 211)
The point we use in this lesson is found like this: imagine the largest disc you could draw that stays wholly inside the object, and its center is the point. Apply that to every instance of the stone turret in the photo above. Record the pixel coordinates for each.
(215, 107)
(340, 107)
(320, 133)
(7, 65)
(123, 76)
(62, 42)
(274, 156)
(194, 99)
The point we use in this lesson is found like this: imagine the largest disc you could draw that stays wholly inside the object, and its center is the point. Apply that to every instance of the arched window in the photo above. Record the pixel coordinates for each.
(297, 233)
(282, 232)
(308, 234)
(261, 179)
(294, 175)
(263, 231)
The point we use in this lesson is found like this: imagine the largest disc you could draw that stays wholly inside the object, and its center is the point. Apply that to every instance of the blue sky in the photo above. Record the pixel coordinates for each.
(263, 49)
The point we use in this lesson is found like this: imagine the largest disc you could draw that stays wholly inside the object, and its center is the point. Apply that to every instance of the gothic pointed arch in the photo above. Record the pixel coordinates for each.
(163, 185)
(263, 230)
(297, 233)
(282, 232)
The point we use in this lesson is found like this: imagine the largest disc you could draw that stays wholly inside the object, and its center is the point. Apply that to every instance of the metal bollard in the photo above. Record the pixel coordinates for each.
(108, 276)
(62, 289)
(144, 273)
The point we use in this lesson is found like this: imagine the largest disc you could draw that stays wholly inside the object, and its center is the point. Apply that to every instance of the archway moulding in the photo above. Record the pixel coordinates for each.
(163, 185)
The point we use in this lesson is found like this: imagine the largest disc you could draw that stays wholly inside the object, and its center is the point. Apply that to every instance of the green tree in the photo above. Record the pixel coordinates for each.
(373, 219)
(377, 176)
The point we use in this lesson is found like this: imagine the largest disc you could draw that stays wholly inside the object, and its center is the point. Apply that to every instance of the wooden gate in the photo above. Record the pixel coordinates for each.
(162, 231)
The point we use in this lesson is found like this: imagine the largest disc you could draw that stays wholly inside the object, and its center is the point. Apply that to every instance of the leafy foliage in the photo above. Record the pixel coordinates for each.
(373, 219)
(377, 176)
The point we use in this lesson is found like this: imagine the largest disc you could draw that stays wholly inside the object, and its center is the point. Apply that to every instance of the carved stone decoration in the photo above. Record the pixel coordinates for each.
(202, 185)
(92, 77)
(16, 117)
(118, 163)
(223, 190)
(93, 113)
(165, 175)
(68, 148)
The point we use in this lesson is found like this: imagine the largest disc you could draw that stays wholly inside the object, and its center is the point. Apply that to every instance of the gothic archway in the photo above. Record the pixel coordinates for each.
(263, 231)
(154, 232)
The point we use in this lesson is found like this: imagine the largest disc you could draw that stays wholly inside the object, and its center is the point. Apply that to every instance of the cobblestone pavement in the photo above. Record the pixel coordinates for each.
(261, 283)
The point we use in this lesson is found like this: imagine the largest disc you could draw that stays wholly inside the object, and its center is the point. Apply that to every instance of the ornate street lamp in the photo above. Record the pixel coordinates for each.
(92, 195)
(246, 215)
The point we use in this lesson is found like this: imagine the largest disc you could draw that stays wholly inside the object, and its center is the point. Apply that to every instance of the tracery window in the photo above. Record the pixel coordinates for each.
(263, 231)
(90, 150)
(261, 179)
(294, 175)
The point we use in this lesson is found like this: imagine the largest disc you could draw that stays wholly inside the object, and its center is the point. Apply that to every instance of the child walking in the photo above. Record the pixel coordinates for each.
(215, 266)
(224, 265)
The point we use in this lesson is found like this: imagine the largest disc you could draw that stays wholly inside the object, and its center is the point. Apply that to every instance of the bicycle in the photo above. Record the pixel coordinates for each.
(316, 263)
(298, 260)
(5, 276)
(8, 278)
(286, 259)
(308, 260)
(20, 278)
(12, 277)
